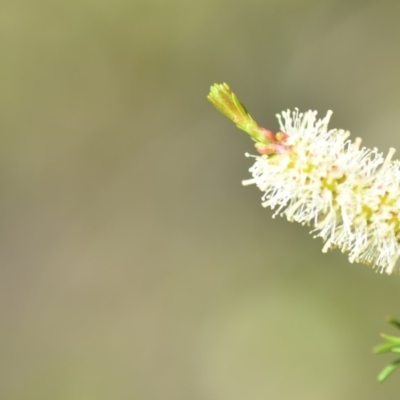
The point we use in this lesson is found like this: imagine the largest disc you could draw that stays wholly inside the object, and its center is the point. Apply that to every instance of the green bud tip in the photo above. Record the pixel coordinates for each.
(225, 101)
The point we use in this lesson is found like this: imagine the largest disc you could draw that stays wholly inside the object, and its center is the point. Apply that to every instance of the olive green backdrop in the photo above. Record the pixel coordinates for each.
(133, 264)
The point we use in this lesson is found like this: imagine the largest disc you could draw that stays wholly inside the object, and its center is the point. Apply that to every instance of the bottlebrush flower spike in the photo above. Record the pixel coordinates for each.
(348, 194)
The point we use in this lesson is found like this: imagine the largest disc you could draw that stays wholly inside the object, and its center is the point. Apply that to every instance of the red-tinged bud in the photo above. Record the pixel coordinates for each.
(265, 149)
(272, 148)
(269, 135)
(281, 136)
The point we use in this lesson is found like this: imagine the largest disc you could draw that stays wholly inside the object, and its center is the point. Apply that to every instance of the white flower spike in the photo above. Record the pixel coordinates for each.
(348, 194)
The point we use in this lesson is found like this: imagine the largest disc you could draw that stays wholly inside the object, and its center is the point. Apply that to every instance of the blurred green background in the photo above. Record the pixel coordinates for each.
(134, 265)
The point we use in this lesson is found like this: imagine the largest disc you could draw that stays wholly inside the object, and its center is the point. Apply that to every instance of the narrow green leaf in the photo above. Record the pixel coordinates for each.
(383, 348)
(396, 350)
(393, 321)
(391, 339)
(388, 370)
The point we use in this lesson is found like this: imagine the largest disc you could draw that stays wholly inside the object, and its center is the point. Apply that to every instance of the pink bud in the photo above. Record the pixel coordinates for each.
(269, 135)
(264, 149)
(281, 136)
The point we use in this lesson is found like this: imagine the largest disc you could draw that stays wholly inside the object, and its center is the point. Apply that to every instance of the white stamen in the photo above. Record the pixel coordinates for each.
(248, 182)
(388, 159)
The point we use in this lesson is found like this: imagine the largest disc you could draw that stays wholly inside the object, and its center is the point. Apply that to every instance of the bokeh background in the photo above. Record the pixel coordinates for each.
(133, 264)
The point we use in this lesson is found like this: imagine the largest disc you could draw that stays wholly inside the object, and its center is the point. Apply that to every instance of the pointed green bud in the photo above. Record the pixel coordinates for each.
(225, 101)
